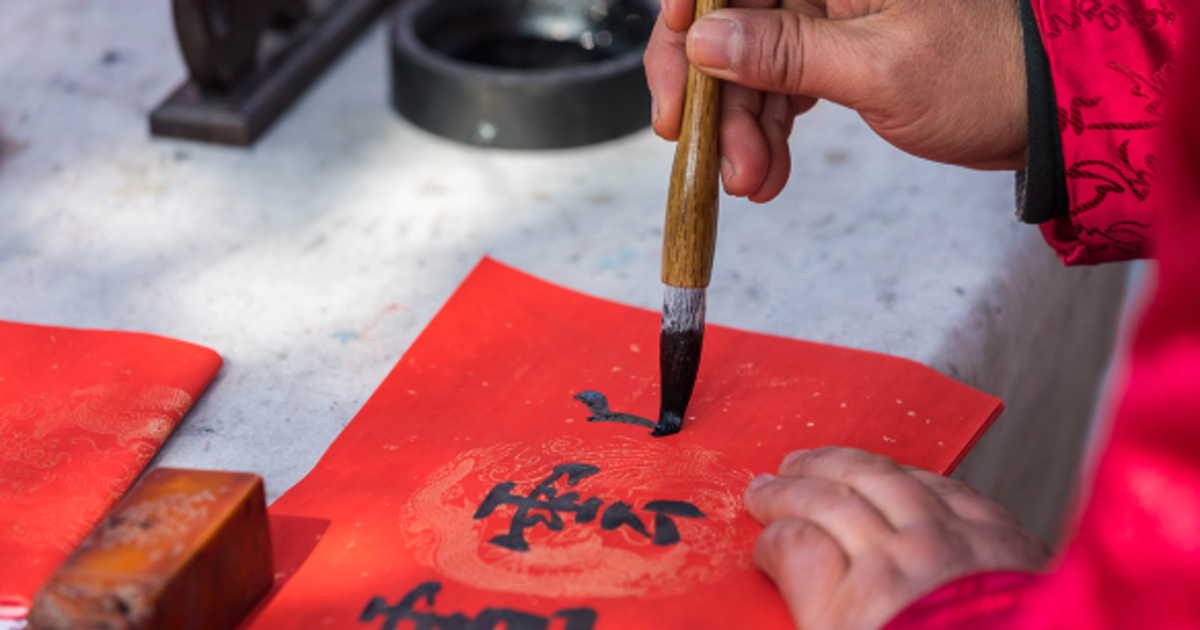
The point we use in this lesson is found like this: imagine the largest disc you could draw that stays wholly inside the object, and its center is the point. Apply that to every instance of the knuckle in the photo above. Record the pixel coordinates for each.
(933, 544)
(784, 541)
(803, 462)
(963, 492)
(947, 487)
(761, 499)
(842, 465)
(797, 496)
(840, 492)
(789, 550)
(868, 466)
(994, 512)
(768, 547)
(815, 499)
(853, 463)
(778, 52)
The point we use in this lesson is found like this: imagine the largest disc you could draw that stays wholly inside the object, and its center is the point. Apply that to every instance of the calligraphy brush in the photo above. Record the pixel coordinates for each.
(689, 239)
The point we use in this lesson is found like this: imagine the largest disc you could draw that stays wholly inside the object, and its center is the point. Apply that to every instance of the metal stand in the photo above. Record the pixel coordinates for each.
(238, 108)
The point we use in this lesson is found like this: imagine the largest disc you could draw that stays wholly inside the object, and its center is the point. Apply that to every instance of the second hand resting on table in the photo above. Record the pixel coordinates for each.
(851, 538)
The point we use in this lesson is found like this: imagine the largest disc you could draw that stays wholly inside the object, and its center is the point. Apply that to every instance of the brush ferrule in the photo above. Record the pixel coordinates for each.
(683, 309)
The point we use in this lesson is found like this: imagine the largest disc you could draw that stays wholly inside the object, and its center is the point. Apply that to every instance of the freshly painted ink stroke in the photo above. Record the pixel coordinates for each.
(597, 403)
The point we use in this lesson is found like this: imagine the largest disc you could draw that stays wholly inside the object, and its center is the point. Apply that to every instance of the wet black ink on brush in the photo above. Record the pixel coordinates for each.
(597, 403)
(488, 618)
(545, 498)
(678, 361)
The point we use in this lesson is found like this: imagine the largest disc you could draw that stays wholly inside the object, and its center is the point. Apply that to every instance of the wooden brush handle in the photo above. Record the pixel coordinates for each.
(690, 233)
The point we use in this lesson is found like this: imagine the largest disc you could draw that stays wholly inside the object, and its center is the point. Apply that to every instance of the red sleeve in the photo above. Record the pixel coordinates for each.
(1110, 62)
(1134, 558)
(981, 601)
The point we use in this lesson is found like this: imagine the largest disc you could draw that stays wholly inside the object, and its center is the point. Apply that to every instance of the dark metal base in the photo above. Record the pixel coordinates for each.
(241, 115)
(481, 72)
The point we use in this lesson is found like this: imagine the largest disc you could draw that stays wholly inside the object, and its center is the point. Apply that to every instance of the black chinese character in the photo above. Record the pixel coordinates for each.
(665, 531)
(488, 618)
(552, 504)
(619, 514)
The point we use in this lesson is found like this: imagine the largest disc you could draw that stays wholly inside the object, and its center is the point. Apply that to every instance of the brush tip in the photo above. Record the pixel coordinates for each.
(680, 343)
(668, 424)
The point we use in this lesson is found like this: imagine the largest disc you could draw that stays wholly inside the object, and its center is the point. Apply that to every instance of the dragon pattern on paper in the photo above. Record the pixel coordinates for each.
(443, 525)
(106, 433)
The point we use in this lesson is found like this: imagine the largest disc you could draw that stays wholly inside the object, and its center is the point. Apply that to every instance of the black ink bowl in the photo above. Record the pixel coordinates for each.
(522, 74)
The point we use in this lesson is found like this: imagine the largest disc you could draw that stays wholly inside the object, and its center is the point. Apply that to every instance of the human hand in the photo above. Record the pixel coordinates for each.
(851, 538)
(942, 80)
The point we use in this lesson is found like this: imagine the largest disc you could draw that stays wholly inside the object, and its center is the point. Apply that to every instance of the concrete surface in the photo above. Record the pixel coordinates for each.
(311, 261)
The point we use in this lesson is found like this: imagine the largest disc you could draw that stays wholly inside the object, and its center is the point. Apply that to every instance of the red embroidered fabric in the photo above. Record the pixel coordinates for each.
(414, 512)
(982, 600)
(81, 413)
(1111, 63)
(1134, 560)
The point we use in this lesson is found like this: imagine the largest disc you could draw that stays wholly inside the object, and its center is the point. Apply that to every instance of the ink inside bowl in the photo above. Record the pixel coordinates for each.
(523, 74)
(537, 35)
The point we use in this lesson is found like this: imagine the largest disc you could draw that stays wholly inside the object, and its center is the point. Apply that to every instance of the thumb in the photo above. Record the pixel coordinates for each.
(784, 51)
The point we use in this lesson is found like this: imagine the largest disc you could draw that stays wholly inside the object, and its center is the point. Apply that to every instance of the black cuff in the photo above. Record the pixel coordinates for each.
(1042, 187)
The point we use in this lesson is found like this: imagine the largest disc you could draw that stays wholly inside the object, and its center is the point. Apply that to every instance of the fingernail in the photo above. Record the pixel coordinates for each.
(653, 110)
(793, 456)
(760, 481)
(727, 171)
(714, 43)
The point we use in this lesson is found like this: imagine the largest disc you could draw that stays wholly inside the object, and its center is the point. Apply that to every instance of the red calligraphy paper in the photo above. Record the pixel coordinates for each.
(81, 414)
(420, 499)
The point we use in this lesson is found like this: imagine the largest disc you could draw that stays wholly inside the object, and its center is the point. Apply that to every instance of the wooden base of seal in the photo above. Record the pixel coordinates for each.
(185, 549)
(238, 117)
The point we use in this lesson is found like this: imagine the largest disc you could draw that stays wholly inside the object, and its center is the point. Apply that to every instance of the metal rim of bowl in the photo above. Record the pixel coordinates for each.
(524, 102)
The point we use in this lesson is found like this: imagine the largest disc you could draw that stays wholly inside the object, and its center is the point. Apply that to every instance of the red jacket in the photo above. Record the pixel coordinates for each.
(1132, 173)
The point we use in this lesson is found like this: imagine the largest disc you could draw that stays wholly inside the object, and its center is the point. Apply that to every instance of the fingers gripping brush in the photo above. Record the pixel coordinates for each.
(689, 239)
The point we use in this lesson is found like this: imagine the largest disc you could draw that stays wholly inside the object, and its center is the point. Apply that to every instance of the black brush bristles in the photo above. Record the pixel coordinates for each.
(680, 343)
